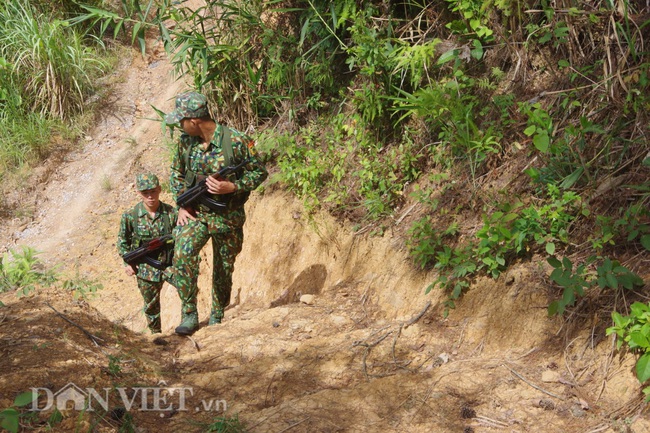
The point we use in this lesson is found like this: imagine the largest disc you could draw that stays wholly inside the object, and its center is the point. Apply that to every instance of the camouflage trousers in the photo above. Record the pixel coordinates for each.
(184, 272)
(150, 291)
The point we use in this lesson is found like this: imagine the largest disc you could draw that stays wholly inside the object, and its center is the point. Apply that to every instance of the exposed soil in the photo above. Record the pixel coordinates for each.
(367, 352)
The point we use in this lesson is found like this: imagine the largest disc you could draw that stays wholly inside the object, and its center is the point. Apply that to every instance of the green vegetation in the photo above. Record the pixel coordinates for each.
(82, 287)
(487, 132)
(10, 417)
(634, 331)
(22, 270)
(225, 425)
(48, 70)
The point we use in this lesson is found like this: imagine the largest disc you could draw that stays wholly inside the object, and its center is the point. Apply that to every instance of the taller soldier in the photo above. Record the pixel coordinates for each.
(202, 150)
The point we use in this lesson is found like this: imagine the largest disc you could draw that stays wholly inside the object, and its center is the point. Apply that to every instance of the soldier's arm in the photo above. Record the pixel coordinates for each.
(177, 172)
(125, 235)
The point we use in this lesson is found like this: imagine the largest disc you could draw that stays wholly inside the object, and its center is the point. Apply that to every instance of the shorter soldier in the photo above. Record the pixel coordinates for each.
(149, 219)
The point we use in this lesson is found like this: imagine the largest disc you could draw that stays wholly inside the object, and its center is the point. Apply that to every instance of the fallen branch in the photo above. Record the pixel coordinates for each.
(600, 428)
(397, 332)
(404, 215)
(366, 352)
(196, 345)
(419, 316)
(483, 420)
(293, 425)
(533, 385)
(92, 337)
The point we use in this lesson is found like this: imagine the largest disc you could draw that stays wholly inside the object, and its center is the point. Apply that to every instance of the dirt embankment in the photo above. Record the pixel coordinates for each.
(367, 351)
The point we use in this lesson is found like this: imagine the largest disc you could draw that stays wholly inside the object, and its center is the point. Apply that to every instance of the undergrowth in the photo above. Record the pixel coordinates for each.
(48, 72)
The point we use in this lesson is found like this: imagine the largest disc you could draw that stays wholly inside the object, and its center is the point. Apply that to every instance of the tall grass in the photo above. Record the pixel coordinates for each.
(49, 64)
(46, 73)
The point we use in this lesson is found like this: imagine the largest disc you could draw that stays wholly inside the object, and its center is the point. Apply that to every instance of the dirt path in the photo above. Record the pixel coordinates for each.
(92, 180)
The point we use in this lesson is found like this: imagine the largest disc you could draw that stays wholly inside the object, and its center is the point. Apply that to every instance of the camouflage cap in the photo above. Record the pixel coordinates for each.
(146, 181)
(189, 104)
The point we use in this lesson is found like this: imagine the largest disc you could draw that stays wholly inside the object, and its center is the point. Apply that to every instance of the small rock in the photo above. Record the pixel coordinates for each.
(578, 412)
(307, 299)
(546, 404)
(550, 376)
(276, 324)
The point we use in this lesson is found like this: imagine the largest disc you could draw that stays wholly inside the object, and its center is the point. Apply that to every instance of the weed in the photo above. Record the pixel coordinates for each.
(225, 425)
(9, 418)
(55, 418)
(574, 283)
(634, 331)
(609, 274)
(22, 271)
(106, 183)
(127, 425)
(82, 288)
(114, 365)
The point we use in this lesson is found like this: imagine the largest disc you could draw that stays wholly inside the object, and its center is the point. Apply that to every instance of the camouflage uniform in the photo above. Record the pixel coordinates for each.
(224, 227)
(136, 229)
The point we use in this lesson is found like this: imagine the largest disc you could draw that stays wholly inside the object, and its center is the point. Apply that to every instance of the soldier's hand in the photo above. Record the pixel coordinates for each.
(184, 216)
(219, 186)
(130, 270)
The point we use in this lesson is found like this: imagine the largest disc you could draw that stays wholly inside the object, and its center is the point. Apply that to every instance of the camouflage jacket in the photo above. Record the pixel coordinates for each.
(137, 227)
(190, 156)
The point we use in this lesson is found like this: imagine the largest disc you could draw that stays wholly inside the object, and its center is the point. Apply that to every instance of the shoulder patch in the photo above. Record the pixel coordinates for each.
(251, 147)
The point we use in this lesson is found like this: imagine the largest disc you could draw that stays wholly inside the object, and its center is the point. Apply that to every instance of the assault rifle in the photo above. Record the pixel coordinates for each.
(199, 192)
(144, 253)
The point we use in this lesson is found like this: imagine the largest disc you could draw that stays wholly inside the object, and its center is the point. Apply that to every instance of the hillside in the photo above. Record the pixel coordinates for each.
(368, 351)
(368, 354)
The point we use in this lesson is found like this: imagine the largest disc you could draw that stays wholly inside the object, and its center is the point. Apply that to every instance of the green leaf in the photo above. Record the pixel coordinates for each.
(553, 261)
(568, 297)
(645, 241)
(619, 320)
(530, 130)
(447, 57)
(458, 289)
(542, 141)
(643, 368)
(477, 52)
(638, 340)
(9, 420)
(630, 280)
(612, 282)
(554, 308)
(571, 179)
(550, 249)
(558, 275)
(25, 398)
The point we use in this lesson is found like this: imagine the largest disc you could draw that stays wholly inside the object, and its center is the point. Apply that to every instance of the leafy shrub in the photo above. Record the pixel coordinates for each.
(634, 332)
(609, 274)
(22, 271)
(10, 417)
